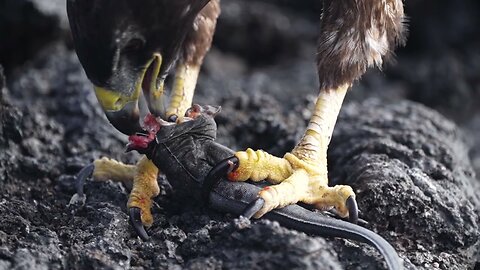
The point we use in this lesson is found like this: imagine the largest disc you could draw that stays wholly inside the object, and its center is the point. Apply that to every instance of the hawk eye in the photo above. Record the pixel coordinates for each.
(134, 45)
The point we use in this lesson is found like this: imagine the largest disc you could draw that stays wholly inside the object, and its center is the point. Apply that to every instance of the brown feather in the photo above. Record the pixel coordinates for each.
(199, 38)
(356, 35)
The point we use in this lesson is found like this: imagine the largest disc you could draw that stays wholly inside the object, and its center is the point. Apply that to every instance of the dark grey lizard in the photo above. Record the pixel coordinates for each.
(196, 167)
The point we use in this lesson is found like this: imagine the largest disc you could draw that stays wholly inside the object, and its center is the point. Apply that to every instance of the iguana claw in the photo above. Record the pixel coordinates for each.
(253, 207)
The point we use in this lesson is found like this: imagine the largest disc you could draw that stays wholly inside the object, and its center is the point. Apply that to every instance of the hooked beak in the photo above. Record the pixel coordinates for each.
(122, 110)
(153, 87)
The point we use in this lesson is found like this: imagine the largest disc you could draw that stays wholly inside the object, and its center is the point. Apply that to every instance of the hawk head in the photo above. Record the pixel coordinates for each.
(129, 45)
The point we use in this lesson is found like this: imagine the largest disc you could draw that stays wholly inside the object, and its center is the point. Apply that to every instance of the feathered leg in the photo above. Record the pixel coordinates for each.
(196, 46)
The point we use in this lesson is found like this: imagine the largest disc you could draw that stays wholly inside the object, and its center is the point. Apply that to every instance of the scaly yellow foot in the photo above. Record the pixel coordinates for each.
(301, 176)
(145, 187)
(294, 180)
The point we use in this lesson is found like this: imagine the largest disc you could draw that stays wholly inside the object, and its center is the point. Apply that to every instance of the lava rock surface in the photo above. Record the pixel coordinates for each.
(410, 170)
(406, 162)
(27, 26)
(409, 165)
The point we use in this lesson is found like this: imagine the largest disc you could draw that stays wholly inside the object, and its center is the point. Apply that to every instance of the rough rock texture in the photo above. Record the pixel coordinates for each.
(407, 163)
(47, 138)
(411, 172)
(28, 25)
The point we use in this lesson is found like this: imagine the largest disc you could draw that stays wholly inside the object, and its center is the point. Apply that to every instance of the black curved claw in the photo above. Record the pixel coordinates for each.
(81, 176)
(220, 170)
(136, 220)
(352, 209)
(253, 207)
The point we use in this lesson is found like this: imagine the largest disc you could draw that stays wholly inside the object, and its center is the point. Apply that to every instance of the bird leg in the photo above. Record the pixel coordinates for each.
(196, 45)
(300, 176)
(184, 87)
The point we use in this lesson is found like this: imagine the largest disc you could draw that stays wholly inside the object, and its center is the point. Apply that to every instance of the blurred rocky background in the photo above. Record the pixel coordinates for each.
(408, 141)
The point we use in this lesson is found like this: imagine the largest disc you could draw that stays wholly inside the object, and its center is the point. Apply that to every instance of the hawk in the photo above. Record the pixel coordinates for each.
(128, 47)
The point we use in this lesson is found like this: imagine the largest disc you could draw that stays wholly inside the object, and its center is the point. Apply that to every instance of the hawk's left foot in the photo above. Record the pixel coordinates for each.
(295, 180)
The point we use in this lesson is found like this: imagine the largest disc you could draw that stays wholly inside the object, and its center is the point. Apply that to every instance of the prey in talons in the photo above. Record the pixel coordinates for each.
(197, 168)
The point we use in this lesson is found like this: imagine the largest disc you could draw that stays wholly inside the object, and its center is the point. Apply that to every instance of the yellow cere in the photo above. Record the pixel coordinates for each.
(114, 101)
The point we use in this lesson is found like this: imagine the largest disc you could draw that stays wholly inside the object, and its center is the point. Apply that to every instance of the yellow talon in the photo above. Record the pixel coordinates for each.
(290, 191)
(327, 197)
(294, 179)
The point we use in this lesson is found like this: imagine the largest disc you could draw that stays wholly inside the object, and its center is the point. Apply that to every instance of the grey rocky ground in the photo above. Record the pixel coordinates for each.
(410, 166)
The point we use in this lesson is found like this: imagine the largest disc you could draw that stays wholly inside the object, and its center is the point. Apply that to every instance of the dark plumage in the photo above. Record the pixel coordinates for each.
(199, 39)
(355, 35)
(115, 39)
